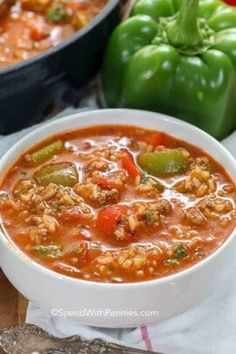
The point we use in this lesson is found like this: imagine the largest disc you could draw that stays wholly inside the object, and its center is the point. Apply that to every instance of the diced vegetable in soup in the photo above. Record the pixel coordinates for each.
(117, 204)
(28, 27)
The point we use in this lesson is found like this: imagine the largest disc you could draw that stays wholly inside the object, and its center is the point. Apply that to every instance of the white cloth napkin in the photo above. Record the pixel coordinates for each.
(209, 328)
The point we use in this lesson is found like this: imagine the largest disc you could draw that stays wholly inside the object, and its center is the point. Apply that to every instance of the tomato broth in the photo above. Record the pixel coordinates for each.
(117, 204)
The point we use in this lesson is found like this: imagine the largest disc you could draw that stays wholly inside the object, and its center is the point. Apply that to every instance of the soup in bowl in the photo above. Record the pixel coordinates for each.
(119, 209)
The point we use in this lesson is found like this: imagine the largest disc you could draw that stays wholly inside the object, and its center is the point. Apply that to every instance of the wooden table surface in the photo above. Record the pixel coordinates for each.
(12, 305)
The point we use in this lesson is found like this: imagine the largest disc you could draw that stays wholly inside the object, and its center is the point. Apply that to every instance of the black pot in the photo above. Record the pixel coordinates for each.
(45, 84)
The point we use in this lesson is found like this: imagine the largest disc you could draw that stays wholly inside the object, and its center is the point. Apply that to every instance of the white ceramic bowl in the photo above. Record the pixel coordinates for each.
(74, 298)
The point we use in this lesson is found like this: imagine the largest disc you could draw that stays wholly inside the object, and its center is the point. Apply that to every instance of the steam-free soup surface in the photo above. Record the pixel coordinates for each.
(117, 204)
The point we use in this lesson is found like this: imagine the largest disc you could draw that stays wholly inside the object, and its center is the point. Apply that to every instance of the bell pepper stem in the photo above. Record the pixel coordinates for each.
(184, 30)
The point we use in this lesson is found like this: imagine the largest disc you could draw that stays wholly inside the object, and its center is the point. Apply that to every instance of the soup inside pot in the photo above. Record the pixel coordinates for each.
(28, 27)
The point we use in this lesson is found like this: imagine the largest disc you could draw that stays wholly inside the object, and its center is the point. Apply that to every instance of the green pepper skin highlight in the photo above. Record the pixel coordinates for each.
(140, 72)
(163, 164)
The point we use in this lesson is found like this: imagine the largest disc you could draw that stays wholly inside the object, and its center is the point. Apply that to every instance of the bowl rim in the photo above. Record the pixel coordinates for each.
(5, 239)
(106, 10)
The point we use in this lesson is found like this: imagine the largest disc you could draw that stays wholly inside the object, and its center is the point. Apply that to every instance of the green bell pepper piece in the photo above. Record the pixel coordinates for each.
(176, 57)
(163, 164)
(51, 251)
(44, 154)
(64, 174)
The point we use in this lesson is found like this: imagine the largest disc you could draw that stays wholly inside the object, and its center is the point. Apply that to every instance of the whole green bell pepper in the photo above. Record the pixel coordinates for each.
(176, 57)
